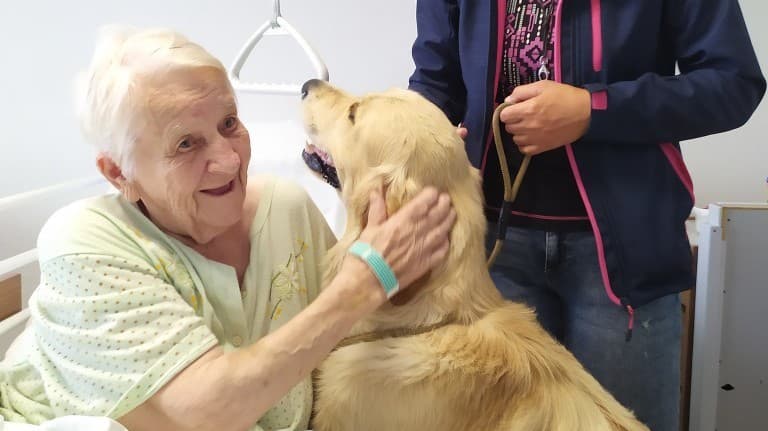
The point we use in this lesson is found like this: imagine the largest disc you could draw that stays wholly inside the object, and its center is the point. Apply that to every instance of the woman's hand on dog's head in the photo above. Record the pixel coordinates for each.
(413, 240)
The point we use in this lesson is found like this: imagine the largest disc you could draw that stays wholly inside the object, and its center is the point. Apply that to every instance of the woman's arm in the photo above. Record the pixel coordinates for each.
(436, 55)
(233, 390)
(719, 86)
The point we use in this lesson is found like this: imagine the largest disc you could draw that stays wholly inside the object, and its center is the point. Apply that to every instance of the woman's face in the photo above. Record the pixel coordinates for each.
(192, 158)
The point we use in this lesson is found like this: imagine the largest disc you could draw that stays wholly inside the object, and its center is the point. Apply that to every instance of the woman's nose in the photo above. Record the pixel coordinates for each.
(224, 161)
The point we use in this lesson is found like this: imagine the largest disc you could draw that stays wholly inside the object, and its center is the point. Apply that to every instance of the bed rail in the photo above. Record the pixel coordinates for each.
(21, 218)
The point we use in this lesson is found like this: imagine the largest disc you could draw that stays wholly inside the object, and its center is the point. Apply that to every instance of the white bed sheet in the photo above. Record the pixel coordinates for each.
(67, 423)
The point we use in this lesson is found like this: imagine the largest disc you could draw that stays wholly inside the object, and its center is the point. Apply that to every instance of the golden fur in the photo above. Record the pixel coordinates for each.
(496, 368)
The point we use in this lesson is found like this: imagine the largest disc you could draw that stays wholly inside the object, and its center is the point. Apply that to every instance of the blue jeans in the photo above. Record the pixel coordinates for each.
(558, 274)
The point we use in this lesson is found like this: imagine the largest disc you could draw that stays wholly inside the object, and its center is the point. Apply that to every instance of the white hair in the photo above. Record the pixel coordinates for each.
(109, 103)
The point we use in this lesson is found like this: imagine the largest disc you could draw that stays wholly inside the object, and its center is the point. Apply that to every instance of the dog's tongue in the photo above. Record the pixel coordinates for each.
(325, 157)
(315, 160)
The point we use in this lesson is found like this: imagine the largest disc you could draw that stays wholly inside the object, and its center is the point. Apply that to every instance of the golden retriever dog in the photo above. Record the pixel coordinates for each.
(448, 353)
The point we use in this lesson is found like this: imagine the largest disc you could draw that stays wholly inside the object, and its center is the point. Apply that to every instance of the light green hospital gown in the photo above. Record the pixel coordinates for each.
(122, 308)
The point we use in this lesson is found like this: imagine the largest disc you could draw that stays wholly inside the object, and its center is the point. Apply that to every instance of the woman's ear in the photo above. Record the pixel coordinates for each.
(114, 175)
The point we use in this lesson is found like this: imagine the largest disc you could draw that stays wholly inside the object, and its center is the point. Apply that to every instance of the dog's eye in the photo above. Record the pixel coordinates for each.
(352, 112)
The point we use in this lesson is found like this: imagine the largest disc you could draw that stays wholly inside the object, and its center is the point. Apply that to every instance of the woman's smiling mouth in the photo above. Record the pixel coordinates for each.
(220, 191)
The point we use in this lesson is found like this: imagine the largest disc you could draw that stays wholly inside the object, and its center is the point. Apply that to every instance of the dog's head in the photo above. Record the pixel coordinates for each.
(396, 139)
(399, 141)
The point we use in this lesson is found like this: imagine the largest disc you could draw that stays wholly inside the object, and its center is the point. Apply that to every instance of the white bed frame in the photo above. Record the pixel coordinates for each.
(21, 217)
(729, 381)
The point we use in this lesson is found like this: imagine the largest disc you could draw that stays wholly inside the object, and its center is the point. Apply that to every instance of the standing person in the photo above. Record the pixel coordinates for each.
(597, 239)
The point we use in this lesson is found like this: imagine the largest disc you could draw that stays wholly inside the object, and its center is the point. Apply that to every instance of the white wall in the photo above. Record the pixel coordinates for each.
(366, 45)
(733, 166)
(44, 43)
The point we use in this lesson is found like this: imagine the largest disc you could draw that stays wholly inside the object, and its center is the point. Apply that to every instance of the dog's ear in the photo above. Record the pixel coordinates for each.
(352, 112)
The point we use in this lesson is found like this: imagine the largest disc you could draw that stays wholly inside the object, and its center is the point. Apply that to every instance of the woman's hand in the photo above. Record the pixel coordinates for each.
(413, 240)
(546, 115)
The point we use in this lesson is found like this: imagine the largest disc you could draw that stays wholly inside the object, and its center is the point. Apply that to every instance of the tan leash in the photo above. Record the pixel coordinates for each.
(394, 333)
(510, 190)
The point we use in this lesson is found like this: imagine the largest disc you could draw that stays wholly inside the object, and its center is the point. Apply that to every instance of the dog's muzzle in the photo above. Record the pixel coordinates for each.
(312, 157)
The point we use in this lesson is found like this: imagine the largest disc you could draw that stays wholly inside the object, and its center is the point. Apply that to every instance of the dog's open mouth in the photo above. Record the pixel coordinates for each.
(322, 163)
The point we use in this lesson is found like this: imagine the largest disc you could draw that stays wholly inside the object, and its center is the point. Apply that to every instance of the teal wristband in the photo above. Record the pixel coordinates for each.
(378, 265)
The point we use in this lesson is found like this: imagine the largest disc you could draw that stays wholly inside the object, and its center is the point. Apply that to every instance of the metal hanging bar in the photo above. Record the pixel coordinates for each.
(276, 26)
(275, 12)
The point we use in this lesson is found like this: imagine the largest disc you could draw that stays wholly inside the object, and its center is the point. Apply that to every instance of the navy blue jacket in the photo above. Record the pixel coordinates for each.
(628, 166)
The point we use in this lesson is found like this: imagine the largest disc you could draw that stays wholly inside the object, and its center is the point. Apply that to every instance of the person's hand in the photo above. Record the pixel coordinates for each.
(414, 239)
(462, 131)
(546, 115)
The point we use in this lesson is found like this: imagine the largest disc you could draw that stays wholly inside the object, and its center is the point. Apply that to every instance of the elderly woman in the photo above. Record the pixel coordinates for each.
(191, 299)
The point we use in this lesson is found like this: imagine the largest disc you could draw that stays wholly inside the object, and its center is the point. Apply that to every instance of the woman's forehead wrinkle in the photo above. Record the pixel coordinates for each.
(166, 105)
(174, 128)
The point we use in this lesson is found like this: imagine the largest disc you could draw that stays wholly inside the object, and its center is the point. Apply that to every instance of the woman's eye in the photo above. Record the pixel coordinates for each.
(184, 145)
(230, 123)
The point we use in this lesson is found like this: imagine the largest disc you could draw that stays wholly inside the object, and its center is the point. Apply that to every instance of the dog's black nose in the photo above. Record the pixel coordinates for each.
(308, 86)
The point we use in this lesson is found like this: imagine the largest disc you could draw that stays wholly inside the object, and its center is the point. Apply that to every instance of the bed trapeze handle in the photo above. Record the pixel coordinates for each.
(275, 27)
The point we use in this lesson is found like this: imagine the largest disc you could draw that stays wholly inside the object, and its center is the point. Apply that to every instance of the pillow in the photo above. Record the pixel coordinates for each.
(276, 149)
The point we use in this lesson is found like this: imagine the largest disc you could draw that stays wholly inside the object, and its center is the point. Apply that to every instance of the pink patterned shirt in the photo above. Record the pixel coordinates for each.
(548, 198)
(529, 27)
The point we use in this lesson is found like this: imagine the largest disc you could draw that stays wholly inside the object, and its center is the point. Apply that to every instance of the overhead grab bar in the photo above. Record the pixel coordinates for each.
(275, 11)
(275, 27)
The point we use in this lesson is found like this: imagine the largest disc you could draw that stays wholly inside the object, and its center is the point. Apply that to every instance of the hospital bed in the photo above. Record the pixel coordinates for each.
(22, 216)
(276, 150)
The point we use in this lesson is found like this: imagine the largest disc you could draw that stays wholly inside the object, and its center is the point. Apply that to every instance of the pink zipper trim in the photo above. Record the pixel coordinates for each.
(675, 158)
(600, 100)
(597, 37)
(575, 168)
(631, 325)
(500, 25)
(595, 228)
